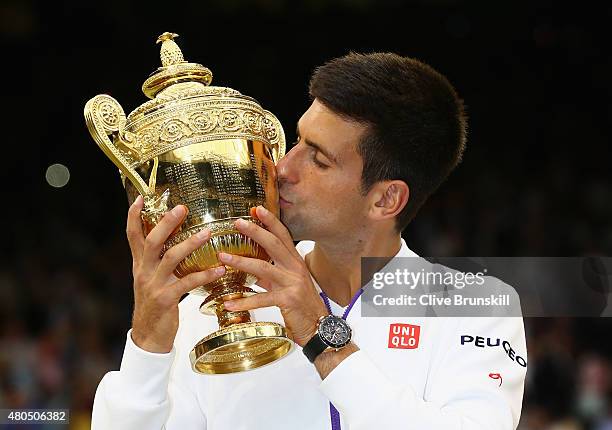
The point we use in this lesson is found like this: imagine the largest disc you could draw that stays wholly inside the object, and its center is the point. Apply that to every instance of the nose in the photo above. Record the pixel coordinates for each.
(285, 168)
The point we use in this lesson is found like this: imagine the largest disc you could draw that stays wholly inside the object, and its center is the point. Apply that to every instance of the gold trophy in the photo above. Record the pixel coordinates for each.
(213, 150)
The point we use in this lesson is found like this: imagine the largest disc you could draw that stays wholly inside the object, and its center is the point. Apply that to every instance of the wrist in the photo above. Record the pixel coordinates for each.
(312, 329)
(330, 358)
(147, 344)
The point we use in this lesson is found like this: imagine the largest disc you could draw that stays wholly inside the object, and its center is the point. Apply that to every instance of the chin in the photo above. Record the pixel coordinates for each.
(296, 229)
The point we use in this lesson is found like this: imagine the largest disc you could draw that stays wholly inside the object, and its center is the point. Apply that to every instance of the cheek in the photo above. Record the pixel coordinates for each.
(341, 198)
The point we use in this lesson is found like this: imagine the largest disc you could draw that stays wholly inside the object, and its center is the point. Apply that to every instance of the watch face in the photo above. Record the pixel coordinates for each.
(334, 331)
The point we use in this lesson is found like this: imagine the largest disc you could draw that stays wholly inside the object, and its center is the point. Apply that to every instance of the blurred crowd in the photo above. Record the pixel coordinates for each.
(62, 326)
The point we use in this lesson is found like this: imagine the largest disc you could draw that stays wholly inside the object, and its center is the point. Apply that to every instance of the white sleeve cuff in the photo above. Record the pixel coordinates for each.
(356, 387)
(146, 374)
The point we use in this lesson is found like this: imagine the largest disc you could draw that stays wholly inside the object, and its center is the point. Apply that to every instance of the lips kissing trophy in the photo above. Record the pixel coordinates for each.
(213, 150)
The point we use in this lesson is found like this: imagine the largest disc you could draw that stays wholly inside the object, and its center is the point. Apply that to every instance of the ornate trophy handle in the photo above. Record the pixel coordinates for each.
(274, 132)
(105, 117)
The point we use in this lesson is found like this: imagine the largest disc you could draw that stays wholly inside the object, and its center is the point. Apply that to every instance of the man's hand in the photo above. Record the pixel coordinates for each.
(156, 290)
(287, 282)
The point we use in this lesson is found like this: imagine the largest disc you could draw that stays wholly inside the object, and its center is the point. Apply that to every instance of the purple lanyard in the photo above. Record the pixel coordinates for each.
(333, 412)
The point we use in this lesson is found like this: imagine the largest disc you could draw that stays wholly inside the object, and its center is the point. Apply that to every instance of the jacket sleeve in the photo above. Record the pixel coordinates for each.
(150, 391)
(474, 382)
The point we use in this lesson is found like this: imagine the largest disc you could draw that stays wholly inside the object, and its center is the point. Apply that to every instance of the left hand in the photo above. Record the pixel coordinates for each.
(287, 282)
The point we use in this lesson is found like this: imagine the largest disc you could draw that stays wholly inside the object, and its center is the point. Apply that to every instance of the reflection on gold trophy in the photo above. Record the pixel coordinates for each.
(213, 150)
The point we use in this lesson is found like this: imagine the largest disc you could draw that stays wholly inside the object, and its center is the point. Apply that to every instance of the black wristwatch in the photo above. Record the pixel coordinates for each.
(332, 332)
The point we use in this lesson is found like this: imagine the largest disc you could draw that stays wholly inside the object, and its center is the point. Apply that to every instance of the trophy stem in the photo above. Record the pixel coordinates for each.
(239, 344)
(227, 318)
(217, 298)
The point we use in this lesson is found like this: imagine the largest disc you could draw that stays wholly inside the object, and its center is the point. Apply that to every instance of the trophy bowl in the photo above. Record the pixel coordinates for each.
(213, 150)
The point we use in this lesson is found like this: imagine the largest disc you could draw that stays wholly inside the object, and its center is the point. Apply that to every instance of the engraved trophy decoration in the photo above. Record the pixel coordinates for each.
(213, 150)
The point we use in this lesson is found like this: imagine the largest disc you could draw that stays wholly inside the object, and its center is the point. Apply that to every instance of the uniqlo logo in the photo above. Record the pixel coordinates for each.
(404, 336)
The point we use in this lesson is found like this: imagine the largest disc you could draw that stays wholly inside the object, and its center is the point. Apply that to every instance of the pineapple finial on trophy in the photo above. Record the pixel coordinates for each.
(170, 52)
(175, 69)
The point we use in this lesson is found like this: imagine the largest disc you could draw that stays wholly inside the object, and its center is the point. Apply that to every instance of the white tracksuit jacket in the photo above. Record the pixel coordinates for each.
(447, 373)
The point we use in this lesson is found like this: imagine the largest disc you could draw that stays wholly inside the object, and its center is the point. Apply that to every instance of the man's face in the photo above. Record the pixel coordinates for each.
(320, 177)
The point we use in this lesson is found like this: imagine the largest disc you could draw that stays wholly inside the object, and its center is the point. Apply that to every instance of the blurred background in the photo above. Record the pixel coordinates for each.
(535, 180)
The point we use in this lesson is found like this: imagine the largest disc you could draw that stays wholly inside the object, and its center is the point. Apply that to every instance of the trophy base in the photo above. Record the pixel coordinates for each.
(240, 347)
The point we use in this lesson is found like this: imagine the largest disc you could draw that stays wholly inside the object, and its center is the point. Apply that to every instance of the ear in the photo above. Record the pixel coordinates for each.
(389, 198)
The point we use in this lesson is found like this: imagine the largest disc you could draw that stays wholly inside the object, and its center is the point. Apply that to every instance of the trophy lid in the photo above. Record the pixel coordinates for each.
(174, 68)
(178, 79)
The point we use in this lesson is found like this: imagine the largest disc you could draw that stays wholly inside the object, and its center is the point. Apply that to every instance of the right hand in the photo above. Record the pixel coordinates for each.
(156, 290)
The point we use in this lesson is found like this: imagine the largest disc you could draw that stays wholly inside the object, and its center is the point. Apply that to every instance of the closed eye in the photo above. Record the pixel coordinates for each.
(317, 162)
(313, 154)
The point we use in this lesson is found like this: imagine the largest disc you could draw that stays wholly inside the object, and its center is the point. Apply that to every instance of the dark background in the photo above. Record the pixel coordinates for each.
(535, 179)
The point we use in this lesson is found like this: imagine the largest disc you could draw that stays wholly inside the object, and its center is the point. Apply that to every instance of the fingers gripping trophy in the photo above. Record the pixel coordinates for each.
(212, 150)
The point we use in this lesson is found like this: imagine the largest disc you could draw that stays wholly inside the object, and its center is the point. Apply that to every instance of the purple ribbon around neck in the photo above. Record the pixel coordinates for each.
(333, 412)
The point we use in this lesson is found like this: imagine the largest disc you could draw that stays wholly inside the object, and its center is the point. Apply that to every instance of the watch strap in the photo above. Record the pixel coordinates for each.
(314, 347)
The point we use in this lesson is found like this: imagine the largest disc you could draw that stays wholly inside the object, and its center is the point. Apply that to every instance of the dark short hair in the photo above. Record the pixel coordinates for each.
(417, 125)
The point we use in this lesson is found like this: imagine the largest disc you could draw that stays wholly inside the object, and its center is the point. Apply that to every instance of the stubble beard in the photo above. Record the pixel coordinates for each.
(295, 225)
(304, 227)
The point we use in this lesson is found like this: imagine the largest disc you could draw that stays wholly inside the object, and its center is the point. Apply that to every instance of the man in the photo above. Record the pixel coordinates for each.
(382, 133)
